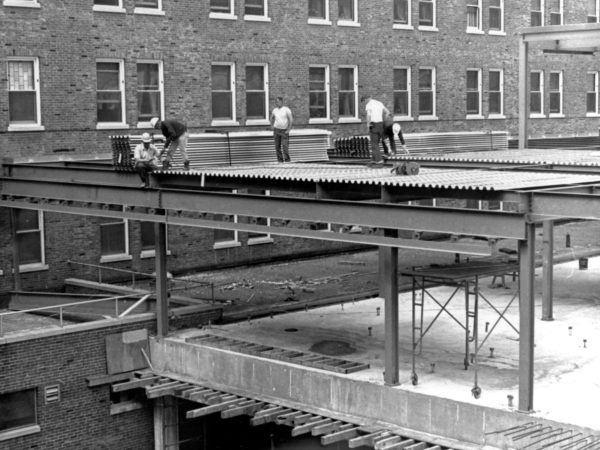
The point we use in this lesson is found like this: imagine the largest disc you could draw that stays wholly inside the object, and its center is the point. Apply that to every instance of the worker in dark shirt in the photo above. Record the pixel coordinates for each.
(176, 135)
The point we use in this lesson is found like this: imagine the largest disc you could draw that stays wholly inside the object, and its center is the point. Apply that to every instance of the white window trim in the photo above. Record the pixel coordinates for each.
(22, 3)
(560, 92)
(434, 26)
(224, 16)
(111, 125)
(479, 115)
(409, 116)
(595, 113)
(543, 18)
(501, 31)
(38, 265)
(597, 12)
(233, 120)
(409, 25)
(262, 120)
(110, 9)
(478, 29)
(501, 114)
(126, 256)
(537, 115)
(432, 116)
(319, 21)
(18, 432)
(161, 85)
(259, 18)
(354, 118)
(37, 126)
(561, 12)
(150, 11)
(351, 23)
(327, 118)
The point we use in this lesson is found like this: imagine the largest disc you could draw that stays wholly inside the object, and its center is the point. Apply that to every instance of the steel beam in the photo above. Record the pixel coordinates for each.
(566, 205)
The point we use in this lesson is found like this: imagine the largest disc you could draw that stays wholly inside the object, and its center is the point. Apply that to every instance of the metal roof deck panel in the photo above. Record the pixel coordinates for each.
(457, 179)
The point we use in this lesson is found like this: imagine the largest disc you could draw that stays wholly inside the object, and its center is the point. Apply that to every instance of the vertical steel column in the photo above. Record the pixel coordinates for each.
(16, 255)
(548, 270)
(162, 294)
(526, 318)
(388, 270)
(523, 93)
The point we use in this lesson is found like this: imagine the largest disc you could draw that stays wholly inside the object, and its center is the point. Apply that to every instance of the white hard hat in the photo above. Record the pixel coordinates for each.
(146, 137)
(154, 121)
(396, 128)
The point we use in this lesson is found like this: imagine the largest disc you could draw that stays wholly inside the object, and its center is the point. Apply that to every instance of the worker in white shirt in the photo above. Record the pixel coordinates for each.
(375, 113)
(281, 120)
(146, 157)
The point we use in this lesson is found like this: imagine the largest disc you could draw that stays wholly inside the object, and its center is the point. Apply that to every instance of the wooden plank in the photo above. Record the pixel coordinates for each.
(367, 439)
(188, 392)
(99, 380)
(266, 417)
(133, 384)
(164, 389)
(326, 428)
(247, 408)
(400, 445)
(221, 398)
(199, 394)
(207, 410)
(417, 446)
(385, 443)
(339, 436)
(287, 419)
(308, 426)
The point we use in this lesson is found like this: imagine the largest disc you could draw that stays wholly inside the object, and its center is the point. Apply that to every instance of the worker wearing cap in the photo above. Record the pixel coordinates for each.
(176, 135)
(146, 157)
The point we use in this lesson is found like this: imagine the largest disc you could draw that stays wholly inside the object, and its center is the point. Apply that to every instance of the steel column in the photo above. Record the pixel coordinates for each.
(526, 318)
(523, 93)
(547, 270)
(388, 288)
(162, 294)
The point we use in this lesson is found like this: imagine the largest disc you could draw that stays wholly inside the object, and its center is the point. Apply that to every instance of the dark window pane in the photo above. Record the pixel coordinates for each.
(536, 19)
(221, 78)
(347, 79)
(26, 220)
(535, 82)
(30, 250)
(473, 103)
(254, 8)
(221, 6)
(22, 107)
(317, 105)
(426, 13)
(494, 81)
(400, 79)
(147, 235)
(425, 78)
(146, 3)
(108, 76)
(17, 409)
(221, 105)
(591, 102)
(346, 9)
(536, 103)
(224, 235)
(555, 102)
(401, 103)
(149, 105)
(401, 11)
(495, 19)
(472, 80)
(107, 2)
(347, 103)
(255, 78)
(495, 103)
(425, 103)
(554, 81)
(112, 238)
(109, 107)
(316, 9)
(255, 105)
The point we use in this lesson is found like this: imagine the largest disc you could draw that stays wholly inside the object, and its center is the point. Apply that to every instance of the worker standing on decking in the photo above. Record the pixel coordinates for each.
(376, 111)
(176, 135)
(281, 120)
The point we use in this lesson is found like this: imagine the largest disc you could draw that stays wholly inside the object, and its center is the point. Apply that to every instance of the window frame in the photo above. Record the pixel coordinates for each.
(595, 92)
(496, 115)
(327, 81)
(320, 20)
(478, 91)
(596, 15)
(114, 257)
(232, 88)
(22, 430)
(539, 12)
(540, 93)
(37, 124)
(40, 230)
(161, 91)
(260, 238)
(552, 92)
(110, 9)
(230, 243)
(355, 118)
(409, 116)
(151, 252)
(479, 17)
(560, 13)
(263, 120)
(258, 18)
(230, 15)
(158, 11)
(501, 31)
(123, 123)
(433, 115)
(433, 26)
(354, 21)
(399, 25)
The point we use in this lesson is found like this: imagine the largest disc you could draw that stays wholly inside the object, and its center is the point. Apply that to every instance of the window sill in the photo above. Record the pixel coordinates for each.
(35, 267)
(260, 240)
(537, 116)
(312, 21)
(226, 244)
(403, 118)
(257, 122)
(321, 121)
(222, 16)
(427, 28)
(18, 432)
(399, 26)
(349, 120)
(111, 126)
(427, 118)
(224, 123)
(21, 3)
(150, 253)
(115, 258)
(497, 33)
(556, 116)
(474, 31)
(124, 407)
(496, 116)
(257, 18)
(24, 127)
(474, 117)
(348, 23)
(108, 9)
(148, 11)
(592, 114)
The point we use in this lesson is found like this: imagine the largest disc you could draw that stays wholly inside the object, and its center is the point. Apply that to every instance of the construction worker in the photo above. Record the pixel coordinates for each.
(176, 135)
(146, 158)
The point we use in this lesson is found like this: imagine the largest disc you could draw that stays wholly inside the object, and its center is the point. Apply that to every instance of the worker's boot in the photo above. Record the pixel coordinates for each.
(186, 165)
(165, 165)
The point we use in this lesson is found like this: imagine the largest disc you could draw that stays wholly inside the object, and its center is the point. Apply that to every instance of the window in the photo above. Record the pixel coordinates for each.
(556, 12)
(223, 93)
(593, 10)
(257, 94)
(473, 93)
(259, 238)
(114, 239)
(225, 237)
(592, 93)
(427, 13)
(402, 91)
(318, 12)
(537, 13)
(318, 93)
(148, 7)
(496, 16)
(348, 93)
(474, 16)
(18, 415)
(29, 233)
(110, 94)
(109, 6)
(347, 12)
(221, 9)
(536, 93)
(256, 10)
(148, 239)
(555, 92)
(496, 93)
(23, 94)
(149, 90)
(402, 12)
(426, 93)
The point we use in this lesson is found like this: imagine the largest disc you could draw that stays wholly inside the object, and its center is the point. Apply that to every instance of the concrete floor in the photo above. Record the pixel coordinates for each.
(567, 352)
